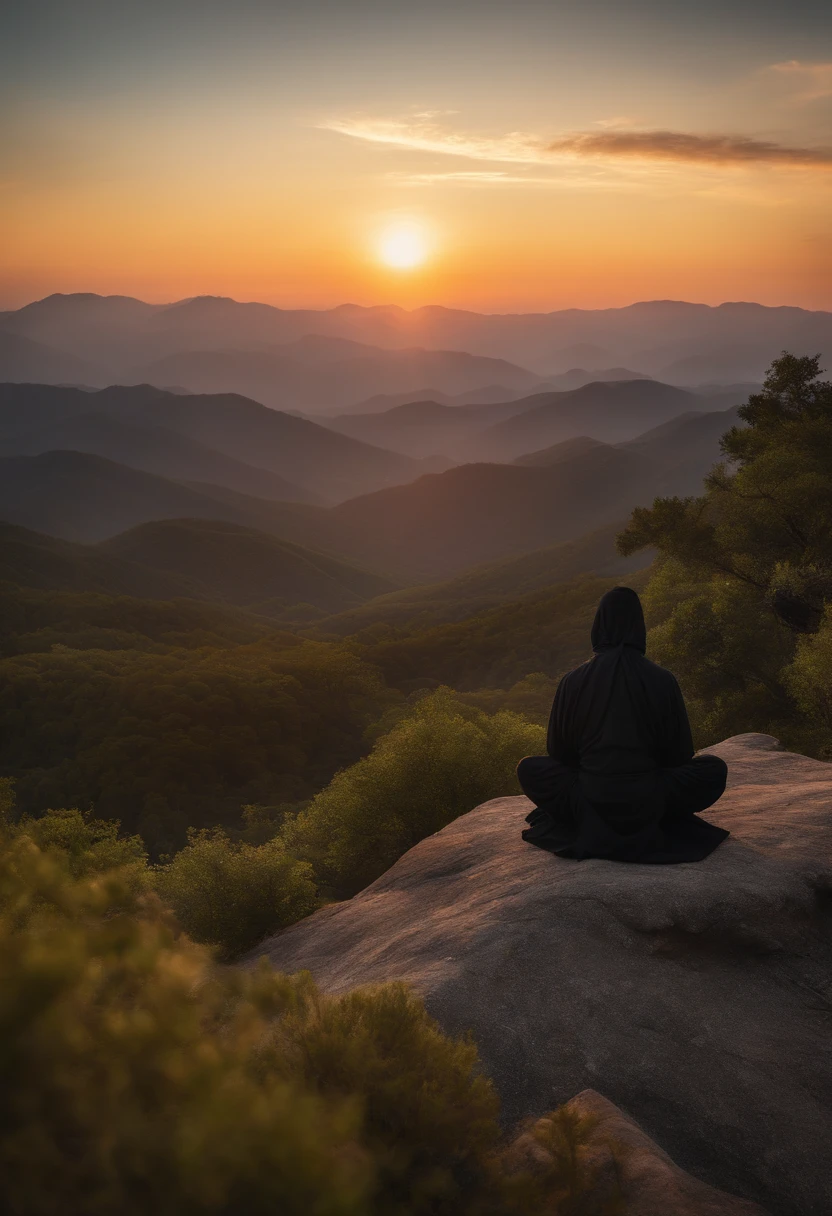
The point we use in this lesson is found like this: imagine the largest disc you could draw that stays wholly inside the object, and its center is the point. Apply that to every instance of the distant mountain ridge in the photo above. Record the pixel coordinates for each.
(608, 411)
(674, 340)
(216, 437)
(152, 449)
(431, 527)
(25, 359)
(382, 403)
(423, 428)
(87, 498)
(310, 377)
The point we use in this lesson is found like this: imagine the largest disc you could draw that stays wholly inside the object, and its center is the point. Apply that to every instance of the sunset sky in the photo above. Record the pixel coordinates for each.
(523, 155)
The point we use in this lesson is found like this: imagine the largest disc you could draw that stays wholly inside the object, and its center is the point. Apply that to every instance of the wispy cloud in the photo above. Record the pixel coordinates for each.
(425, 136)
(813, 80)
(573, 176)
(614, 123)
(685, 148)
(614, 143)
(473, 178)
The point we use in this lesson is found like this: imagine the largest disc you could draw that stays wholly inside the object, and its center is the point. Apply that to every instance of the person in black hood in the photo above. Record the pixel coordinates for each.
(621, 779)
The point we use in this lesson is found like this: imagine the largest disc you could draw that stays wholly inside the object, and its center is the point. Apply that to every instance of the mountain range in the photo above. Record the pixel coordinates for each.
(96, 340)
(223, 438)
(424, 428)
(327, 373)
(431, 526)
(608, 411)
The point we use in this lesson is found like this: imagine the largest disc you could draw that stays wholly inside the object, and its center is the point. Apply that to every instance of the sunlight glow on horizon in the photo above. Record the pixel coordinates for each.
(403, 246)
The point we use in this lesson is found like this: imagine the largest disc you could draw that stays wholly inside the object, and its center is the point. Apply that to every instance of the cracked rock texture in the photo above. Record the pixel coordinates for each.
(695, 997)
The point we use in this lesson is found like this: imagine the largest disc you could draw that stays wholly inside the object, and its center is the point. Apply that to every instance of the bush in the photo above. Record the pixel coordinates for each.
(129, 1078)
(234, 894)
(136, 1075)
(432, 767)
(88, 845)
(224, 893)
(429, 1116)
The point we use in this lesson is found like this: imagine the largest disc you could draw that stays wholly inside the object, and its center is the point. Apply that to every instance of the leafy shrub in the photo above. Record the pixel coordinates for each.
(129, 1077)
(429, 1115)
(228, 894)
(136, 1075)
(432, 767)
(234, 894)
(262, 823)
(89, 845)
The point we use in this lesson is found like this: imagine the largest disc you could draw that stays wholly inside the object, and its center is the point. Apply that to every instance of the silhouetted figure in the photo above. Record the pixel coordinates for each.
(621, 779)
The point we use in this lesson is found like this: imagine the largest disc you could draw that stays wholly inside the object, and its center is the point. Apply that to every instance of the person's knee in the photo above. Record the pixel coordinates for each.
(529, 769)
(523, 767)
(717, 769)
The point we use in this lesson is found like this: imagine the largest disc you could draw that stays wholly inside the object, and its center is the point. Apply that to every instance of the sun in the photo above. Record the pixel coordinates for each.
(403, 247)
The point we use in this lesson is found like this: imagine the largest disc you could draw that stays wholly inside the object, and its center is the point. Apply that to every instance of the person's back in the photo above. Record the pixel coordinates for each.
(620, 778)
(617, 746)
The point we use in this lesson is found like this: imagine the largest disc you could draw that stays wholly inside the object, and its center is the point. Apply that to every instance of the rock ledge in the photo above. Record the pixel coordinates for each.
(696, 997)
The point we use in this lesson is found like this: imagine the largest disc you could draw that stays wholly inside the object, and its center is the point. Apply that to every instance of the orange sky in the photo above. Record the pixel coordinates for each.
(544, 166)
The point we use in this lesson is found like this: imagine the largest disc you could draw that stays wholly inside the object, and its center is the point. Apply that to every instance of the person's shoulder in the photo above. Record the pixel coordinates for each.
(661, 674)
(571, 682)
(577, 673)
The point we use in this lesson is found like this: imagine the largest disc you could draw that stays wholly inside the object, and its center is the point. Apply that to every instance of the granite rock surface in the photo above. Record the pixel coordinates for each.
(697, 998)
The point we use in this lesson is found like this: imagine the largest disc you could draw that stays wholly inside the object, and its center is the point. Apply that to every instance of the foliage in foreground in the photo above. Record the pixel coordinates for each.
(435, 765)
(138, 1075)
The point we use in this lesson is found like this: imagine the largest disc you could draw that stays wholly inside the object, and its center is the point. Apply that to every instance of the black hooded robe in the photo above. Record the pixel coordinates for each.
(621, 779)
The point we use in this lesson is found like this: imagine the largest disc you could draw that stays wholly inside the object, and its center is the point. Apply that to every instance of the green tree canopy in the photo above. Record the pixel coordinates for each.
(745, 570)
(765, 518)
